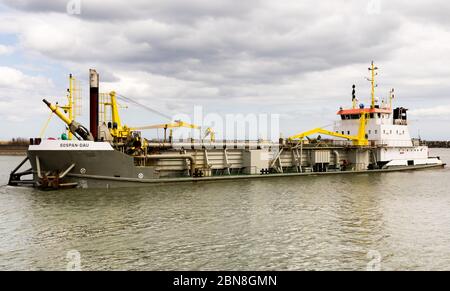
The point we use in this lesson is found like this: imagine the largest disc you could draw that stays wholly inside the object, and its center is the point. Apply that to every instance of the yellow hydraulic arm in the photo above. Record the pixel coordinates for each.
(209, 131)
(74, 127)
(359, 140)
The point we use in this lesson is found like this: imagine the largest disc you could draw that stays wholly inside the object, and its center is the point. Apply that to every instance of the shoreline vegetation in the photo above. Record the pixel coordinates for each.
(438, 144)
(19, 146)
(14, 147)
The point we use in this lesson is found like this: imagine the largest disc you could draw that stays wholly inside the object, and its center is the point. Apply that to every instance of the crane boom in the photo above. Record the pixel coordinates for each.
(122, 131)
(74, 127)
(358, 140)
(176, 124)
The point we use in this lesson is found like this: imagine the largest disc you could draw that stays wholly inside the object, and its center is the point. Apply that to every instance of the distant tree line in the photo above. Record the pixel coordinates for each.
(438, 144)
(17, 141)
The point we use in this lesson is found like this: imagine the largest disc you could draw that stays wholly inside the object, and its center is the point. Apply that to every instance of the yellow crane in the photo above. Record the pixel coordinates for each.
(74, 127)
(210, 132)
(175, 124)
(117, 129)
(122, 131)
(358, 140)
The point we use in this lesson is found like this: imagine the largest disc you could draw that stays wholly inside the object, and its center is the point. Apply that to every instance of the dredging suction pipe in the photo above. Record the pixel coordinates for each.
(74, 127)
(172, 157)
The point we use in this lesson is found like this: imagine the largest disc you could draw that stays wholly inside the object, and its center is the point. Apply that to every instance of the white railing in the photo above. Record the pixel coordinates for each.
(386, 143)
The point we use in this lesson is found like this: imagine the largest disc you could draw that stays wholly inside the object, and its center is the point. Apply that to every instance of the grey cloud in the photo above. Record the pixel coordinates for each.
(434, 11)
(37, 6)
(118, 10)
(253, 49)
(227, 42)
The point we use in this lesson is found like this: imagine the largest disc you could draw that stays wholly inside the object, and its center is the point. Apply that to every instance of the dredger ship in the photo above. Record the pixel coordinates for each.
(365, 139)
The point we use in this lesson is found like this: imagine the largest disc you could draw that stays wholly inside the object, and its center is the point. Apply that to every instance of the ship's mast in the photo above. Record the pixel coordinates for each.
(70, 105)
(372, 81)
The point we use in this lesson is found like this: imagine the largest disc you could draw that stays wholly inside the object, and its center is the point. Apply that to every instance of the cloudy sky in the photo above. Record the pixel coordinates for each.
(296, 58)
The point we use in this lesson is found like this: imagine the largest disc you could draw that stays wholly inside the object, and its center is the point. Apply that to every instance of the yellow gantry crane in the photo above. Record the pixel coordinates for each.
(358, 140)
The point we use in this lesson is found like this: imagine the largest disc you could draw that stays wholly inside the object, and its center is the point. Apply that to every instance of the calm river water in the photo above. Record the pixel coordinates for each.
(394, 221)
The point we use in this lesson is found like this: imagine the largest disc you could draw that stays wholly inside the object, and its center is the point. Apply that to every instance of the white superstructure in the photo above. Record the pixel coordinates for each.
(386, 130)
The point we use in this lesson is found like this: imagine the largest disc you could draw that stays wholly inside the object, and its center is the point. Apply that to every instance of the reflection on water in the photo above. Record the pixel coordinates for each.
(303, 223)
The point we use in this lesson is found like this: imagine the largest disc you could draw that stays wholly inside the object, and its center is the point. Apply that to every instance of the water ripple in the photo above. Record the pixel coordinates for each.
(311, 223)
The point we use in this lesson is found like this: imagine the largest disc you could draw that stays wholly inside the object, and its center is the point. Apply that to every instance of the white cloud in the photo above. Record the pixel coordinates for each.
(11, 78)
(20, 93)
(437, 112)
(5, 49)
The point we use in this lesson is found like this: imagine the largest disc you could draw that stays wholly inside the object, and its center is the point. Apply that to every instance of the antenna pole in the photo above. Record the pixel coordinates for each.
(391, 96)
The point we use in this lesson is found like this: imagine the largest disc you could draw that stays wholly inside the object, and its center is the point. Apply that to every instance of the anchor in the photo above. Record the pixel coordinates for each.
(52, 180)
